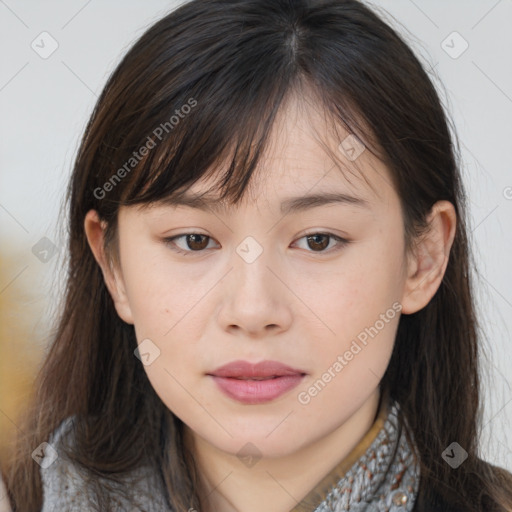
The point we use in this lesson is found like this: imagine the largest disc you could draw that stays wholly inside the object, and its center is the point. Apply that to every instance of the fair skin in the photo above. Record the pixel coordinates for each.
(293, 303)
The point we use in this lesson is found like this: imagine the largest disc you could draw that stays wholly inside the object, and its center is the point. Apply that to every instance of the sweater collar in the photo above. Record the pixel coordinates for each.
(379, 474)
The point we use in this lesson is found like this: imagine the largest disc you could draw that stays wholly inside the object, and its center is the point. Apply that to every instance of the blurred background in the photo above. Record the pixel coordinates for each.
(55, 59)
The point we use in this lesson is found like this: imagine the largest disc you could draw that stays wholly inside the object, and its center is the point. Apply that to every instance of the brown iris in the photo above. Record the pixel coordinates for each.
(318, 244)
(194, 244)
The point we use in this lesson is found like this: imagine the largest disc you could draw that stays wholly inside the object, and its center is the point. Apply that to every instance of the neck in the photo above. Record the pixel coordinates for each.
(275, 484)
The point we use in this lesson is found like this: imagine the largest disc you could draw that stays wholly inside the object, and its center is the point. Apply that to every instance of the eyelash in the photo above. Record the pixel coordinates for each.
(342, 242)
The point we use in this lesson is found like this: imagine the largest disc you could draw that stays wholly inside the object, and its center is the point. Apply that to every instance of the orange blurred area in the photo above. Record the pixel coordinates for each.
(22, 333)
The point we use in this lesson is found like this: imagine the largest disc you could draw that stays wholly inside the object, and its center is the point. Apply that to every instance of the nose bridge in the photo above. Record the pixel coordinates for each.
(251, 261)
(253, 299)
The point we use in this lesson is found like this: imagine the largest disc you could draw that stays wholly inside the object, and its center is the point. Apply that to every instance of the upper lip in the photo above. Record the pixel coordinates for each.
(241, 368)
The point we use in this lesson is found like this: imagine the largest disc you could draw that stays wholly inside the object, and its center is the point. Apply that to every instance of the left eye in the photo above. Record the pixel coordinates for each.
(322, 240)
(197, 242)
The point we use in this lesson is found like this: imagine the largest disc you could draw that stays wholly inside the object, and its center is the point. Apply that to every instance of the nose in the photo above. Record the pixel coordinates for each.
(255, 300)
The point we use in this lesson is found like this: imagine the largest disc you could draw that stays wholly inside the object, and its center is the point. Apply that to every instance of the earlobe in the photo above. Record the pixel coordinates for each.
(427, 266)
(94, 231)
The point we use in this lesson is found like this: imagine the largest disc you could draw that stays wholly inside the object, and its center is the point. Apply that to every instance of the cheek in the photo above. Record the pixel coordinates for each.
(353, 293)
(356, 312)
(349, 359)
(168, 309)
(162, 294)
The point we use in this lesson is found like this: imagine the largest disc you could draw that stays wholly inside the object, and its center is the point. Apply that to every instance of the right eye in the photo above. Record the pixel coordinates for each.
(194, 242)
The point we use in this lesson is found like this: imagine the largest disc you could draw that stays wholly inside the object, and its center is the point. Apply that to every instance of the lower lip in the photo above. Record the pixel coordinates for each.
(257, 391)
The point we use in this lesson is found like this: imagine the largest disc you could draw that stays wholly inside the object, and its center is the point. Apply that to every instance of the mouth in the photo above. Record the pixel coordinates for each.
(250, 383)
(256, 371)
(256, 378)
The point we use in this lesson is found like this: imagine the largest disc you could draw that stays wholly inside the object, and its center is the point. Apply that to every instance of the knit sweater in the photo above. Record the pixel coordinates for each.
(378, 475)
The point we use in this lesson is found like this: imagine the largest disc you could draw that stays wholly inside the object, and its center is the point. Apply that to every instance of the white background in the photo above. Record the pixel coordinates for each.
(46, 102)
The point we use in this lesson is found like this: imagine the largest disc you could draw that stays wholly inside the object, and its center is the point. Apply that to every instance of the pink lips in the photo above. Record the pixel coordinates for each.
(256, 383)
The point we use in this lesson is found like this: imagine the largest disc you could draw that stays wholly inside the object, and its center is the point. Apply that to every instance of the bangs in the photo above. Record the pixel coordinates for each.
(234, 137)
(200, 101)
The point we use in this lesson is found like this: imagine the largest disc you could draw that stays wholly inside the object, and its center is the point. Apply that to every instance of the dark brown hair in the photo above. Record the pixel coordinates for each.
(234, 62)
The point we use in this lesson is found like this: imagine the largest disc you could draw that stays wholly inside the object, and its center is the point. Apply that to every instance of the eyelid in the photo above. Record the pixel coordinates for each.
(170, 241)
(341, 241)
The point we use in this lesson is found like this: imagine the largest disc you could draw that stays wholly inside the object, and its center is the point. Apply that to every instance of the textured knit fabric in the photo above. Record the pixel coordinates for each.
(379, 475)
(68, 488)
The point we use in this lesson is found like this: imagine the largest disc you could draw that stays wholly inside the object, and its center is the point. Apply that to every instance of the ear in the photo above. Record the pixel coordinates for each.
(427, 265)
(95, 232)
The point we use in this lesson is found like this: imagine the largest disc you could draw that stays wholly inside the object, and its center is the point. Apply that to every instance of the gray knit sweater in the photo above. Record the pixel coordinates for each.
(384, 478)
(67, 487)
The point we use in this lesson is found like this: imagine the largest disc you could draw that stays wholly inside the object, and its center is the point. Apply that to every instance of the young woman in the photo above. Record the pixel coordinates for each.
(269, 302)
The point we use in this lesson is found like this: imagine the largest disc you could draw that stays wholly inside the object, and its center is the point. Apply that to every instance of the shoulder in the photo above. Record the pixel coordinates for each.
(62, 481)
(69, 486)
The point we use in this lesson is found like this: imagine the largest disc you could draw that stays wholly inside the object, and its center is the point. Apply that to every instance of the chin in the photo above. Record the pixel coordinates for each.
(258, 443)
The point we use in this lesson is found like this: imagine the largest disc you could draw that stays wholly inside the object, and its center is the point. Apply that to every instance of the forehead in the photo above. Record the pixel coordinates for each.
(308, 160)
(308, 154)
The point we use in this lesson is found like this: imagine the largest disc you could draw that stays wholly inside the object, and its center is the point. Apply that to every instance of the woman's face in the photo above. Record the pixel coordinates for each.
(253, 287)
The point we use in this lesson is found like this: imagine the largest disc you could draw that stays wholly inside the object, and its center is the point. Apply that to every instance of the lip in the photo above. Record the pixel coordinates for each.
(233, 380)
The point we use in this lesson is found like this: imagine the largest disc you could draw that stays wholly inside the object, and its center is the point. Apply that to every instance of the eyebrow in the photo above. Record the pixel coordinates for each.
(288, 205)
